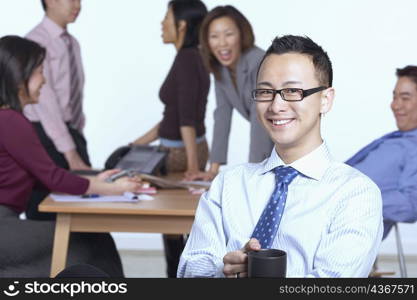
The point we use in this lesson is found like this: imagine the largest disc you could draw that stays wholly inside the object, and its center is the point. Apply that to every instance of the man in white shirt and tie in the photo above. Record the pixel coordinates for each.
(326, 215)
(58, 118)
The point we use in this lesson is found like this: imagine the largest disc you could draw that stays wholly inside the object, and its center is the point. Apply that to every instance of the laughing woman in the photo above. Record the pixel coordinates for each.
(227, 44)
(26, 245)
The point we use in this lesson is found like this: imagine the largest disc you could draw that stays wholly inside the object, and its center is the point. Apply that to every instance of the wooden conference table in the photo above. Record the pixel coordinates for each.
(171, 212)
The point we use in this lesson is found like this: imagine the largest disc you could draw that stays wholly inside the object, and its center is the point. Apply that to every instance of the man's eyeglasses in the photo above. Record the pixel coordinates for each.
(288, 94)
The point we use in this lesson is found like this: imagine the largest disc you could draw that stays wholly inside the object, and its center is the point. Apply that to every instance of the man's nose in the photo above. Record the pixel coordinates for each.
(278, 104)
(396, 104)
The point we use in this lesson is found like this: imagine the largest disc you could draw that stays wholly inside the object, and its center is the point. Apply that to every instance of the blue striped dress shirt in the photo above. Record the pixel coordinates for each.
(331, 227)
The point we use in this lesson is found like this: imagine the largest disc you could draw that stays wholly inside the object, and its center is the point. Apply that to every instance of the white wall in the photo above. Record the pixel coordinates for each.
(126, 62)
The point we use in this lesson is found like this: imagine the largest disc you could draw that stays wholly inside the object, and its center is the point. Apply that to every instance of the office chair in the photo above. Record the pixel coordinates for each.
(400, 252)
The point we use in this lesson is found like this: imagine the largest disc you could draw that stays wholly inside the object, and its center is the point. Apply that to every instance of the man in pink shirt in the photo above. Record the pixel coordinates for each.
(58, 117)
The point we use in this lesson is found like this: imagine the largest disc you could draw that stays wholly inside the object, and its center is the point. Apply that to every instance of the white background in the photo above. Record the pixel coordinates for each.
(125, 63)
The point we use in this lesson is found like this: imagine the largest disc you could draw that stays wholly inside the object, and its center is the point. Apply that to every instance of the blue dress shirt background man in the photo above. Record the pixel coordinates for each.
(328, 215)
(391, 161)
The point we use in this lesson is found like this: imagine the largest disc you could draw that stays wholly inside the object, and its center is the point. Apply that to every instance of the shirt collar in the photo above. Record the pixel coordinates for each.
(52, 28)
(312, 165)
(412, 132)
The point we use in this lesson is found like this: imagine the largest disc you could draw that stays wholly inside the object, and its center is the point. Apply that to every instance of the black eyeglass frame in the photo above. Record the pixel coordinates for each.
(305, 93)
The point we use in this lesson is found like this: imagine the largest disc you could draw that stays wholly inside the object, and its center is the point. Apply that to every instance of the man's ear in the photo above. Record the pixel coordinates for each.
(49, 3)
(327, 97)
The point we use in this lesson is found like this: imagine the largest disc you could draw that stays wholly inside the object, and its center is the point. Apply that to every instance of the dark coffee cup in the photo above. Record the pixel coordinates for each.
(267, 263)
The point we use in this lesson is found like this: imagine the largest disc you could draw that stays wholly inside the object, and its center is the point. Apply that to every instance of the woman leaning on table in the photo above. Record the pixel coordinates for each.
(184, 95)
(184, 92)
(26, 245)
(229, 51)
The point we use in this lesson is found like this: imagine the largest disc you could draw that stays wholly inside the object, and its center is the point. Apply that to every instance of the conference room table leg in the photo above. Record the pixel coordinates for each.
(61, 239)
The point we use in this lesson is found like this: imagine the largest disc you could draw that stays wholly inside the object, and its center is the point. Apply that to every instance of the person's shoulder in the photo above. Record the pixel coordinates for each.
(188, 55)
(232, 177)
(351, 178)
(188, 51)
(7, 114)
(237, 172)
(254, 55)
(354, 190)
(255, 51)
(408, 139)
(10, 118)
(39, 34)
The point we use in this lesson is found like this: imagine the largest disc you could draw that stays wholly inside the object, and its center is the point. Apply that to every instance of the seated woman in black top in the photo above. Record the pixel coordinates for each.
(184, 95)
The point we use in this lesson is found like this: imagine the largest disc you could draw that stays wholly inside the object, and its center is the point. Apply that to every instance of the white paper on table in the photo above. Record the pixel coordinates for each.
(143, 197)
(72, 198)
(197, 182)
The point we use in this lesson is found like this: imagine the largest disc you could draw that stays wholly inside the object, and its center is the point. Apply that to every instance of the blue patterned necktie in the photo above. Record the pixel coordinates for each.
(363, 153)
(267, 226)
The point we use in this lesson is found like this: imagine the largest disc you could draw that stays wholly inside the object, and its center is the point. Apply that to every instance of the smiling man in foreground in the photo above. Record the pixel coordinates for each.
(326, 215)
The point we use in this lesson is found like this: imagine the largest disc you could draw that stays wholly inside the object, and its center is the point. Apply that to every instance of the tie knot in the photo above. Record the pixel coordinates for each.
(285, 174)
(66, 37)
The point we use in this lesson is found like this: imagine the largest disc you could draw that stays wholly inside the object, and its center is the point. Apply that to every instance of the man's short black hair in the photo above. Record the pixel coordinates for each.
(304, 45)
(408, 71)
(43, 5)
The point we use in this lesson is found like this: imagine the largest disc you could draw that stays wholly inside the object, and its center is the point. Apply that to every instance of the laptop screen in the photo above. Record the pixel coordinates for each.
(141, 159)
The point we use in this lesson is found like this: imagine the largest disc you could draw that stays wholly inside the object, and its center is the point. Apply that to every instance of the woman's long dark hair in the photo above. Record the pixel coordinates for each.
(193, 13)
(19, 57)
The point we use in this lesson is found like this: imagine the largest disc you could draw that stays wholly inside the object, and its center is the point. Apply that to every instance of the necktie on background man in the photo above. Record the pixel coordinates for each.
(363, 153)
(267, 226)
(75, 89)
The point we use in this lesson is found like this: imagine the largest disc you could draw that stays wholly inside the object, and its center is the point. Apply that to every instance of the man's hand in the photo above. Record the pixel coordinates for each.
(74, 161)
(236, 262)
